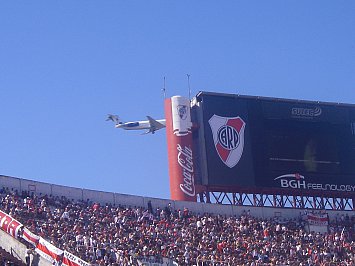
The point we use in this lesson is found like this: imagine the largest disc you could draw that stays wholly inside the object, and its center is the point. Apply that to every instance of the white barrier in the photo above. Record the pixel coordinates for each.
(161, 203)
(193, 207)
(10, 182)
(70, 193)
(220, 209)
(129, 200)
(36, 187)
(98, 196)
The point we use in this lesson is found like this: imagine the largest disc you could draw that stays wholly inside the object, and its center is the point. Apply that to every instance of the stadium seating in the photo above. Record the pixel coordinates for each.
(119, 235)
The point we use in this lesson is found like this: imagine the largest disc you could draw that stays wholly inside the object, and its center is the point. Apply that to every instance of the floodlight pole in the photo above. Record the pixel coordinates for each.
(188, 84)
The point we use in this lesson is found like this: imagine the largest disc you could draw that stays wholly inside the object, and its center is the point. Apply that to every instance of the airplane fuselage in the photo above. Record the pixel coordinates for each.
(136, 125)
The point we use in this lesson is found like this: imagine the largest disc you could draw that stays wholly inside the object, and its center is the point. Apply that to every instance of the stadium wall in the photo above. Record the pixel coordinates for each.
(41, 188)
(18, 250)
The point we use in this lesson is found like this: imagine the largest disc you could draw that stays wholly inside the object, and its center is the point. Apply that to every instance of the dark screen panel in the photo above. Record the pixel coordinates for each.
(302, 147)
(285, 142)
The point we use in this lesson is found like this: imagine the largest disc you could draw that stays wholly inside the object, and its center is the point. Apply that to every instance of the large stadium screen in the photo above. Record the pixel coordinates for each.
(263, 142)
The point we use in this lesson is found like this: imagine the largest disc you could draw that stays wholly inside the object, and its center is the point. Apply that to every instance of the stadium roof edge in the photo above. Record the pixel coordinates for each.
(201, 93)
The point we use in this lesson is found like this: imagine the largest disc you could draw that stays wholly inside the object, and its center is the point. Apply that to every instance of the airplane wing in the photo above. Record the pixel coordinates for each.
(154, 125)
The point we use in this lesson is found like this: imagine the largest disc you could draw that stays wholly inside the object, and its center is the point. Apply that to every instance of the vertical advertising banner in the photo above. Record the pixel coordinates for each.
(180, 149)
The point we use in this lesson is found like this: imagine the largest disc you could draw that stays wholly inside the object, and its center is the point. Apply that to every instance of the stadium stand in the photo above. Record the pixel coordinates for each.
(120, 235)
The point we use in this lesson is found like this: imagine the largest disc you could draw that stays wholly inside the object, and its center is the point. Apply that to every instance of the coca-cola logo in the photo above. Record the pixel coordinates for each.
(185, 161)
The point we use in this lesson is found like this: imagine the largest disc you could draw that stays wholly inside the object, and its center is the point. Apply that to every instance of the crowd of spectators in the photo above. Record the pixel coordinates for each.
(119, 235)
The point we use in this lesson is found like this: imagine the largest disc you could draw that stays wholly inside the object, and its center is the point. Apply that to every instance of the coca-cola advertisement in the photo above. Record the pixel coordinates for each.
(180, 149)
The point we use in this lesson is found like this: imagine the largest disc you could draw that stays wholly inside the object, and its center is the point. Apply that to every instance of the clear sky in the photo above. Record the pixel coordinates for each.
(65, 64)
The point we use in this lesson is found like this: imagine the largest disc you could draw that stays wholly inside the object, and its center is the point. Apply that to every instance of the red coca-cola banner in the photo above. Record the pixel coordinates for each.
(180, 149)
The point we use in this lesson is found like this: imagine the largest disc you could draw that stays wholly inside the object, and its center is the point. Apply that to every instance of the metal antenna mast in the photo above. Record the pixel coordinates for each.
(188, 84)
(164, 89)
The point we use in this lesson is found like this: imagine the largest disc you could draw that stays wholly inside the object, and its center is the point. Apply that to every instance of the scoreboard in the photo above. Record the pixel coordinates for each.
(246, 141)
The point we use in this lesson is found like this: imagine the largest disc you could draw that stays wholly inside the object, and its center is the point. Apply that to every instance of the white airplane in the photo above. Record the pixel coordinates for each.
(151, 124)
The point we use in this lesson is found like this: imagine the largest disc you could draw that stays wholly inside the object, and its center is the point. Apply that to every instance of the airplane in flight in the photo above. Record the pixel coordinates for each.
(151, 124)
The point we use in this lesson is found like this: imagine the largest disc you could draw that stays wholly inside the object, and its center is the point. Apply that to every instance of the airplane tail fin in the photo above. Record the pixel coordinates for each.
(113, 118)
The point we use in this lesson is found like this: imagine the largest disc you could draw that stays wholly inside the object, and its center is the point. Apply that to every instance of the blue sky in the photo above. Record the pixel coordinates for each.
(64, 65)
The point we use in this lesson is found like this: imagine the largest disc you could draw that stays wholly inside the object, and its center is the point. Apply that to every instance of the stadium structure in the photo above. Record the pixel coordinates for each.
(244, 150)
(253, 181)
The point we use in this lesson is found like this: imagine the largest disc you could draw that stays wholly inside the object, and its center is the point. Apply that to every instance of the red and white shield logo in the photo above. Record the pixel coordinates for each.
(228, 136)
